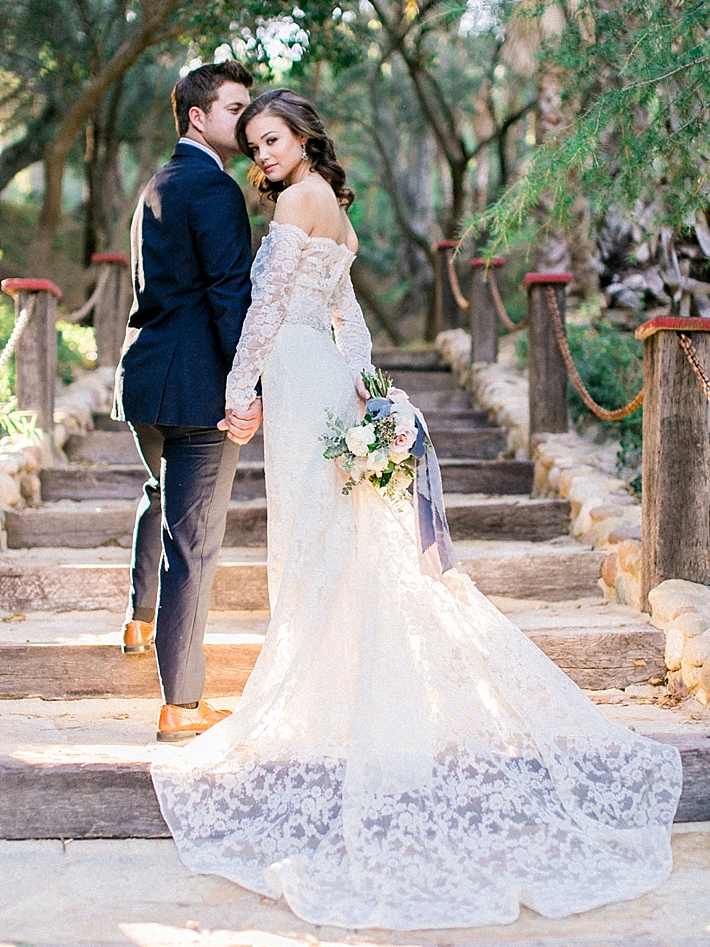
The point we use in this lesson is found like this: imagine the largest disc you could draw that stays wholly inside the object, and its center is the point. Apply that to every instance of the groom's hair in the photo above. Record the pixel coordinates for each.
(200, 88)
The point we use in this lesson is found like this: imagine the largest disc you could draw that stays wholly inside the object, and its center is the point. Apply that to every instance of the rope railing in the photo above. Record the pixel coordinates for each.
(19, 327)
(500, 308)
(461, 300)
(603, 413)
(692, 356)
(84, 310)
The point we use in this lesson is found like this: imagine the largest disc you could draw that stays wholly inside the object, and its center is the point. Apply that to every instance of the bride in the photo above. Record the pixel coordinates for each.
(403, 757)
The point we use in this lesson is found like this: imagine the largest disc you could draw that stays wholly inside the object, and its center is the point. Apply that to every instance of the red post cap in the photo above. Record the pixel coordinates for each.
(482, 261)
(109, 258)
(672, 324)
(532, 278)
(16, 285)
(444, 245)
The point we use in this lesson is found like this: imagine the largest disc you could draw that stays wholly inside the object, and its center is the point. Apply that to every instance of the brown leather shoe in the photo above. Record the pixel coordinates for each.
(138, 637)
(179, 723)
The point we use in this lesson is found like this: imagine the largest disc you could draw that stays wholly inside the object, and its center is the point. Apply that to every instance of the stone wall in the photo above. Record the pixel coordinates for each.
(22, 458)
(605, 513)
(682, 610)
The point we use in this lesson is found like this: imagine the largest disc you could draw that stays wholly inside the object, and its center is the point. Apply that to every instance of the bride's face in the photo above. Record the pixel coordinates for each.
(274, 147)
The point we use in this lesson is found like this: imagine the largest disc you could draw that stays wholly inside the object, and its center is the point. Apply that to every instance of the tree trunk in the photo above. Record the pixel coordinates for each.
(151, 31)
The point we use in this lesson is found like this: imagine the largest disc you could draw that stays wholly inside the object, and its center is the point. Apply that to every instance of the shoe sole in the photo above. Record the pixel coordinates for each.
(136, 648)
(177, 737)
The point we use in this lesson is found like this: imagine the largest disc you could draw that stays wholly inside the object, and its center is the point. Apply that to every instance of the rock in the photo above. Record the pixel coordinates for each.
(621, 533)
(609, 569)
(692, 624)
(675, 645)
(629, 553)
(697, 650)
(30, 487)
(676, 687)
(10, 495)
(632, 590)
(676, 597)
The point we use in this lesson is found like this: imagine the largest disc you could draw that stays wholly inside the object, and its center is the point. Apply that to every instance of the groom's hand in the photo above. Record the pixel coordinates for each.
(241, 426)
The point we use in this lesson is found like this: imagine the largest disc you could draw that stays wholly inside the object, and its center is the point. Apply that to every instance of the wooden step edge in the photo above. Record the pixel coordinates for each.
(593, 659)
(84, 800)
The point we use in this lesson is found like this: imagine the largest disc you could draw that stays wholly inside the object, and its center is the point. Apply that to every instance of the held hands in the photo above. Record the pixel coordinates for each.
(241, 426)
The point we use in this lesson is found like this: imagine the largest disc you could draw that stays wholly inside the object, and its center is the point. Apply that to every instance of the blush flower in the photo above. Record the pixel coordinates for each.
(397, 396)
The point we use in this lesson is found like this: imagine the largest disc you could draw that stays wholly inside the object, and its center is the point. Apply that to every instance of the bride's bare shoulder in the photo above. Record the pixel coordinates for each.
(301, 204)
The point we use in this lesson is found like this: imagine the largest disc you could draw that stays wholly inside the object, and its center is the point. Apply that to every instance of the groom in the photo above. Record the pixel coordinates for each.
(191, 256)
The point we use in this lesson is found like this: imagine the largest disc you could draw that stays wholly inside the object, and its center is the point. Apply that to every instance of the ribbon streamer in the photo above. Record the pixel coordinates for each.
(436, 550)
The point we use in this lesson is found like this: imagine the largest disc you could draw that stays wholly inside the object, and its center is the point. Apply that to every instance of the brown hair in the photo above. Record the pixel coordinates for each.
(302, 119)
(200, 88)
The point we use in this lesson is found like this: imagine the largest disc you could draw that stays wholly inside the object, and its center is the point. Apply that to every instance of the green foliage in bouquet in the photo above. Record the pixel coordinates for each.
(368, 454)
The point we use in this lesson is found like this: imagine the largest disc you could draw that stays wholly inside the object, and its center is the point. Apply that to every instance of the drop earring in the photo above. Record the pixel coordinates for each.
(304, 153)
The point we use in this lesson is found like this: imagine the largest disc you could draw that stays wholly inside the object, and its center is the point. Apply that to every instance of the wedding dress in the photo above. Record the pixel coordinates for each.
(400, 758)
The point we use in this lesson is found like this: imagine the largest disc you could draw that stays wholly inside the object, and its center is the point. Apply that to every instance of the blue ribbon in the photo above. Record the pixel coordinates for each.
(436, 550)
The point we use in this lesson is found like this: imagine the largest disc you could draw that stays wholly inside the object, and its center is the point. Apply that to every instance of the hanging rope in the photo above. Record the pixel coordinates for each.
(84, 310)
(692, 356)
(461, 300)
(22, 320)
(620, 413)
(500, 308)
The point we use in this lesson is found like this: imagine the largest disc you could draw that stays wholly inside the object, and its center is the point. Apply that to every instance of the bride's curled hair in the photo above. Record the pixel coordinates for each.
(302, 119)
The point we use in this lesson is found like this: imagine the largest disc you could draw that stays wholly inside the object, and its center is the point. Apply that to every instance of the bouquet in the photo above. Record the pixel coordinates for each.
(382, 448)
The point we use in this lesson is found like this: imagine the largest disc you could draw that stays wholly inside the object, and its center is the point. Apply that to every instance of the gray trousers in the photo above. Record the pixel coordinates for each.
(179, 530)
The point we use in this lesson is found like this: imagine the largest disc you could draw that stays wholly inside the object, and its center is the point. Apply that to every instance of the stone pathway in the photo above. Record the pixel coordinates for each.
(136, 892)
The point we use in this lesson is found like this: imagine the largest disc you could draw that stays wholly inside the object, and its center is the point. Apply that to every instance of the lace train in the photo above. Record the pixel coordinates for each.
(401, 758)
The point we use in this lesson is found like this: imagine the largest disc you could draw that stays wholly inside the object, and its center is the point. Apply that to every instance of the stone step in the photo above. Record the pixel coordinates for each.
(125, 482)
(70, 655)
(456, 439)
(67, 578)
(392, 360)
(418, 382)
(119, 447)
(80, 770)
(85, 524)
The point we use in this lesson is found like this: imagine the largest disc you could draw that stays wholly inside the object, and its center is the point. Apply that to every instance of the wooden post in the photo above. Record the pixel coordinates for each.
(112, 307)
(447, 310)
(484, 318)
(675, 535)
(547, 372)
(36, 352)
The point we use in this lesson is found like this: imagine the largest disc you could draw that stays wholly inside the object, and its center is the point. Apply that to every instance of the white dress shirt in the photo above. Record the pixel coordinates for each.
(207, 151)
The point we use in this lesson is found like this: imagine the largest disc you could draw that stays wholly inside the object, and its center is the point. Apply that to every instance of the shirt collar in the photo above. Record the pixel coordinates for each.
(207, 151)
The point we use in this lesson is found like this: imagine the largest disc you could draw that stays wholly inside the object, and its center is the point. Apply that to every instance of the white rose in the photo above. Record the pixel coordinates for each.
(398, 456)
(377, 461)
(359, 439)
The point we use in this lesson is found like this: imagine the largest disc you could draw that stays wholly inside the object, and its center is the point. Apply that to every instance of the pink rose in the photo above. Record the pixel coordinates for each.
(396, 395)
(404, 440)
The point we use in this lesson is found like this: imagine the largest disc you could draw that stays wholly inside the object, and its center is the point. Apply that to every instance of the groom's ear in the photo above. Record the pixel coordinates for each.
(197, 118)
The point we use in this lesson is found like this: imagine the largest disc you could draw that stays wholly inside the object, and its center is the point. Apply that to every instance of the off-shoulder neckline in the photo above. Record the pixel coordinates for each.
(343, 246)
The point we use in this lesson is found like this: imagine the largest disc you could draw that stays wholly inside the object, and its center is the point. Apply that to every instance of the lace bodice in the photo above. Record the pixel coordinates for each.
(299, 280)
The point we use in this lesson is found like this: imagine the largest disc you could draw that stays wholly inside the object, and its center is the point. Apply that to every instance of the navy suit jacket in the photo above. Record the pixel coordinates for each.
(190, 260)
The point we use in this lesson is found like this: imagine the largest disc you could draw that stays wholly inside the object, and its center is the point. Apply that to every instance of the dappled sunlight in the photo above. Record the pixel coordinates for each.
(81, 753)
(161, 935)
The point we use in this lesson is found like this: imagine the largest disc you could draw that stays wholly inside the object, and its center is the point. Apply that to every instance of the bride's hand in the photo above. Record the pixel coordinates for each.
(361, 390)
(242, 426)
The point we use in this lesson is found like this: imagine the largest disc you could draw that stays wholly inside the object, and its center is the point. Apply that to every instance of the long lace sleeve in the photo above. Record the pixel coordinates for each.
(272, 282)
(351, 334)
